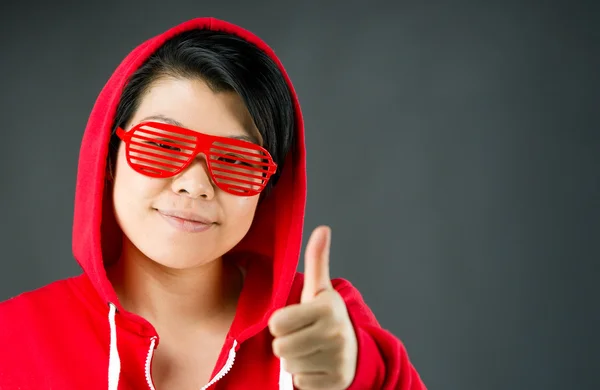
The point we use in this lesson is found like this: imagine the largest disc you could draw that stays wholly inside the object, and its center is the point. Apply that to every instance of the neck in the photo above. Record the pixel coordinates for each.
(173, 298)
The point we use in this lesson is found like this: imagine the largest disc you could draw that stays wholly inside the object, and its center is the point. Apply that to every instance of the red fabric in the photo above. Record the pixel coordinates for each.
(58, 337)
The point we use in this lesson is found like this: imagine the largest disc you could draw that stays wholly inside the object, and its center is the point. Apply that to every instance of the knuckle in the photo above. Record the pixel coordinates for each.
(338, 358)
(329, 307)
(300, 381)
(274, 323)
(278, 347)
(336, 336)
(326, 307)
(341, 355)
(338, 378)
(339, 337)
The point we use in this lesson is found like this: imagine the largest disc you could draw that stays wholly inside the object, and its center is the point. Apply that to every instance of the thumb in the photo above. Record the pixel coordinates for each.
(316, 264)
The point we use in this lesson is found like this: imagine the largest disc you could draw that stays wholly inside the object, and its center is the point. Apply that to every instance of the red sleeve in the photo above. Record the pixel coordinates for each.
(383, 362)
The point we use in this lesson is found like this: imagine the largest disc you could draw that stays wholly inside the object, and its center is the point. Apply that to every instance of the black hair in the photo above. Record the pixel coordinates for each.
(225, 62)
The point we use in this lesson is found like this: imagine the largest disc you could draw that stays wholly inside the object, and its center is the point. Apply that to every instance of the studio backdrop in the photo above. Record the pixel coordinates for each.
(453, 147)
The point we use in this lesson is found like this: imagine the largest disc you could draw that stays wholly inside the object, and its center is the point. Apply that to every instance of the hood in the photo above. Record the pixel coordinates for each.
(273, 241)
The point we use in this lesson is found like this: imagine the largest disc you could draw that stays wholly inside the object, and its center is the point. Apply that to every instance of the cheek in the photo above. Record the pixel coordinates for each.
(132, 190)
(240, 210)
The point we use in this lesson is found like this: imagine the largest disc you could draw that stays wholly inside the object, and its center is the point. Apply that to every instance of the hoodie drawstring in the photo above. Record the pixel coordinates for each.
(114, 362)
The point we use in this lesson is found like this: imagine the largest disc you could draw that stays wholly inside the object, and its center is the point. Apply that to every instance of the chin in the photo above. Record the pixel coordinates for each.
(179, 263)
(175, 252)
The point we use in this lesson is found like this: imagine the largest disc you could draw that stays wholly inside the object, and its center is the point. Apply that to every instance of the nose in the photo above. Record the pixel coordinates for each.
(195, 181)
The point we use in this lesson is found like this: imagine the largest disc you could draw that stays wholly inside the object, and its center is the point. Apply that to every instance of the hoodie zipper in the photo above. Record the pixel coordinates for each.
(226, 368)
(149, 363)
(224, 371)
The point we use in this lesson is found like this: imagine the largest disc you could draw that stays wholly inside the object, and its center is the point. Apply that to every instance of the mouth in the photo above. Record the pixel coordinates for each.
(186, 221)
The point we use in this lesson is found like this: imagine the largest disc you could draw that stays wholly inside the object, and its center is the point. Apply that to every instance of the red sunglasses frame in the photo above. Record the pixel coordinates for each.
(203, 144)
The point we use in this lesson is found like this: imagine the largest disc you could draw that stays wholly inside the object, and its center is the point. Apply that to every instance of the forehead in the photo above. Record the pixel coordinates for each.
(165, 119)
(193, 105)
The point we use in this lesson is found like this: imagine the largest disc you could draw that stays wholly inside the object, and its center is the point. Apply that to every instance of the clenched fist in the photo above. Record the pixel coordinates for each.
(315, 339)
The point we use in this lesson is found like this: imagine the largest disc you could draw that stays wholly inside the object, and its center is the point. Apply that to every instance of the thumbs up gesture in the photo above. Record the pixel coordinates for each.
(315, 339)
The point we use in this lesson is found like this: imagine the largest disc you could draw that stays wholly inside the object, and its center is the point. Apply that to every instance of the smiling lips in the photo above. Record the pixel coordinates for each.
(186, 221)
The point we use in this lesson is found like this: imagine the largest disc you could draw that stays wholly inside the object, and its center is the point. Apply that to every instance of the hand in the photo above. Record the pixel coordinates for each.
(315, 339)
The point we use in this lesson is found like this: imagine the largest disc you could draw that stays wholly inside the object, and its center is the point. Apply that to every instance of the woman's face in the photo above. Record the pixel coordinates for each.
(144, 206)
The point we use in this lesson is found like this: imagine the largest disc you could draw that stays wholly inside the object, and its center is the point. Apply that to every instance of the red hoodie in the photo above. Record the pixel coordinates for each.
(68, 335)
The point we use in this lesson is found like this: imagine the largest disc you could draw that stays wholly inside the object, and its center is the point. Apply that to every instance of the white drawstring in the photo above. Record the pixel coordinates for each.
(285, 378)
(114, 362)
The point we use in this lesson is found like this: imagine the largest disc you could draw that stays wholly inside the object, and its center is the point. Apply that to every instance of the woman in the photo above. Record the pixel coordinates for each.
(188, 221)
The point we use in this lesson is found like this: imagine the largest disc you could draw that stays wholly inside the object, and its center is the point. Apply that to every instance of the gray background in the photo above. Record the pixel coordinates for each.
(452, 147)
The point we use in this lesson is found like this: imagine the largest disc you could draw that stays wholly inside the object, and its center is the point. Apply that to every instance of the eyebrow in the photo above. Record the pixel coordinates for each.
(174, 122)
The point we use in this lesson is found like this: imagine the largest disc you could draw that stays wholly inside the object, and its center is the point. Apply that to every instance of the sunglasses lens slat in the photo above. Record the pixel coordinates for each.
(238, 180)
(241, 167)
(245, 190)
(148, 170)
(176, 136)
(155, 162)
(250, 176)
(254, 162)
(241, 147)
(160, 148)
(147, 147)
